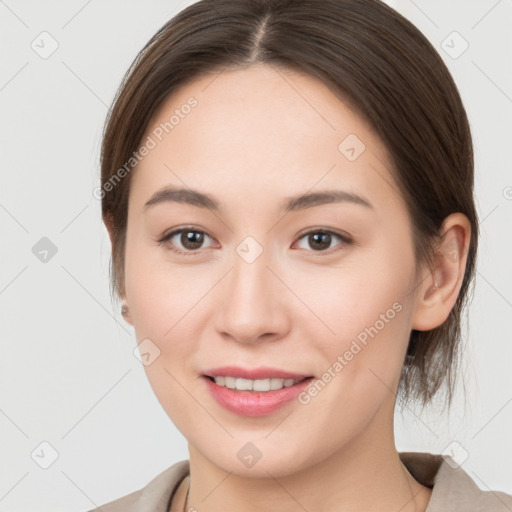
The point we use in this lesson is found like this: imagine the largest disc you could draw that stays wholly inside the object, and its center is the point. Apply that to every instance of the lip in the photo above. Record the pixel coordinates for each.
(253, 403)
(263, 372)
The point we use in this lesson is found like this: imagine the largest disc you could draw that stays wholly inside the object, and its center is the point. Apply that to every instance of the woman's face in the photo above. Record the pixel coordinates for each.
(321, 289)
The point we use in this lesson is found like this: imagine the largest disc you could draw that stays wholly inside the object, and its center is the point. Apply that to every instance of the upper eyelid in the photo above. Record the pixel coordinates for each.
(330, 231)
(174, 232)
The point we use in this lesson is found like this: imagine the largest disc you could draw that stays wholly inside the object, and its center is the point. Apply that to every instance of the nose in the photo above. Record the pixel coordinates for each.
(252, 301)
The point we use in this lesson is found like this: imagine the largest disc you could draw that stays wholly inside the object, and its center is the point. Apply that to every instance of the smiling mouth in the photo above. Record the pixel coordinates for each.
(255, 386)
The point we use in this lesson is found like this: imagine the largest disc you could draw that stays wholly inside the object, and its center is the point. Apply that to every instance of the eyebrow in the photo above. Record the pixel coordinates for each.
(290, 204)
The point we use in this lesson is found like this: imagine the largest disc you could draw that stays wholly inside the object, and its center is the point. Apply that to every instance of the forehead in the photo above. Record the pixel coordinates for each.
(263, 130)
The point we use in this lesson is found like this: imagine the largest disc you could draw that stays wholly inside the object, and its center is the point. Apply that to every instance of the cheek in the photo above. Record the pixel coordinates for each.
(161, 299)
(363, 323)
(158, 292)
(370, 314)
(359, 297)
(167, 304)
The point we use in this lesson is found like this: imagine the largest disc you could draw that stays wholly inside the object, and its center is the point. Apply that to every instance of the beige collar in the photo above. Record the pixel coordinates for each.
(452, 488)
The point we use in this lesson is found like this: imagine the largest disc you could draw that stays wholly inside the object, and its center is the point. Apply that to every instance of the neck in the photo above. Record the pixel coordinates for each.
(366, 474)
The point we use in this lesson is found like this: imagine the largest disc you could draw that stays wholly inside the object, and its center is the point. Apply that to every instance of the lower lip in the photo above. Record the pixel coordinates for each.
(253, 403)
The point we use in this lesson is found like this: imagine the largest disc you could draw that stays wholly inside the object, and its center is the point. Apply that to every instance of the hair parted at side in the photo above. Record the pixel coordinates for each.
(372, 57)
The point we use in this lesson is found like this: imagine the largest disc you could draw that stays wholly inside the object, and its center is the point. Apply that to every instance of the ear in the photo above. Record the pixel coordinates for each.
(438, 290)
(108, 220)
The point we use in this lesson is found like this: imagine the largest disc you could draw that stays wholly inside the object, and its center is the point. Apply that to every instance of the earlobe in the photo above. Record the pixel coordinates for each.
(440, 286)
(109, 224)
(126, 313)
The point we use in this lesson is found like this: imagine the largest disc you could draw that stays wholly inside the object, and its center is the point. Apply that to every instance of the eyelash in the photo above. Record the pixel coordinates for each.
(345, 239)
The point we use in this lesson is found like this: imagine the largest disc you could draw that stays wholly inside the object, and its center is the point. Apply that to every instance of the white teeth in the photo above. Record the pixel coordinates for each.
(261, 385)
(229, 382)
(243, 384)
(276, 384)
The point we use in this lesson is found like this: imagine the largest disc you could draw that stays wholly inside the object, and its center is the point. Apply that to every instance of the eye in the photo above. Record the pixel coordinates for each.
(190, 239)
(321, 240)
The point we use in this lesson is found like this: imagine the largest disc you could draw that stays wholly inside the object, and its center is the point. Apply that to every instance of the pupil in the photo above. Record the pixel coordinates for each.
(324, 237)
(192, 239)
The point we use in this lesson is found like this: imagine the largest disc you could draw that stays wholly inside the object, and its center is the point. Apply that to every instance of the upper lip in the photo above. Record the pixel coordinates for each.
(263, 372)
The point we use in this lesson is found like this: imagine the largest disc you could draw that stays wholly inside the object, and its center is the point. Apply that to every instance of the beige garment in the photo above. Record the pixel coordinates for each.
(453, 490)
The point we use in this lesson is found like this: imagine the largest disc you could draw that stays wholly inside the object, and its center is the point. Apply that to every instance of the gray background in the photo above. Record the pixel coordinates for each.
(68, 374)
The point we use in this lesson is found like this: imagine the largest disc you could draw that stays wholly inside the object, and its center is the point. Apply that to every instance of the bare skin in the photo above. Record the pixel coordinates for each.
(256, 137)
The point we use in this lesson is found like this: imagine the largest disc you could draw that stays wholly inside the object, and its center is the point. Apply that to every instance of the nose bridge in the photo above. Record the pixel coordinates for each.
(250, 275)
(250, 300)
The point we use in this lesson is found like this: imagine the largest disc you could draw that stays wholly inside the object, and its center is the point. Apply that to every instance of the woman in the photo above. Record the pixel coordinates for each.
(288, 190)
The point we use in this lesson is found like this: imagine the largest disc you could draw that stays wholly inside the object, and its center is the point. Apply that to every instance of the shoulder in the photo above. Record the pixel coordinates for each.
(452, 487)
(155, 496)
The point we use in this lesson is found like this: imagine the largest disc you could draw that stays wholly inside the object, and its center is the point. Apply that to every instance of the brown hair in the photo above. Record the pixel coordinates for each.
(371, 56)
